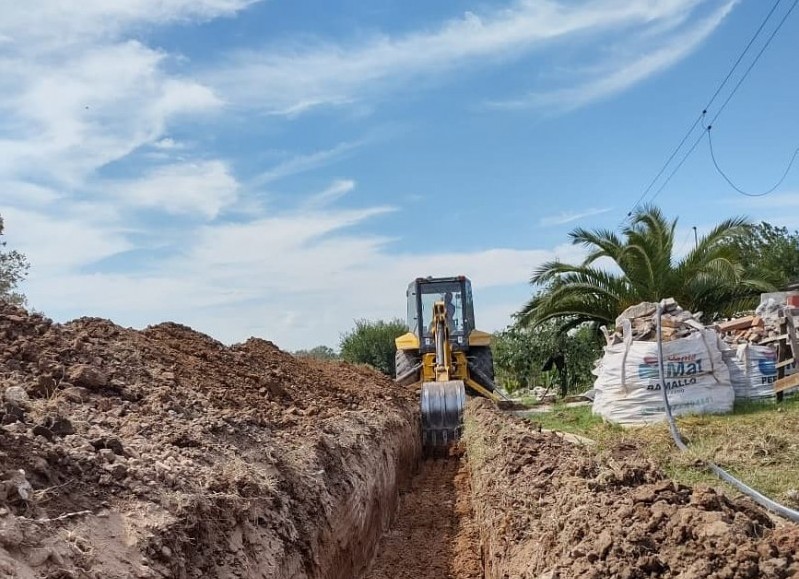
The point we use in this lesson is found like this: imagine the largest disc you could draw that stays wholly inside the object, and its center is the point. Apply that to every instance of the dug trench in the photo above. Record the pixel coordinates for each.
(164, 453)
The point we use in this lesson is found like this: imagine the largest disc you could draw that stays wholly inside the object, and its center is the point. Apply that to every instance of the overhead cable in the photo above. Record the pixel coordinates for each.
(699, 118)
(736, 187)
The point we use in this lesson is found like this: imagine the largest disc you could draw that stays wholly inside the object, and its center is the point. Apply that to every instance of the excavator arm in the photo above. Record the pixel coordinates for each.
(443, 399)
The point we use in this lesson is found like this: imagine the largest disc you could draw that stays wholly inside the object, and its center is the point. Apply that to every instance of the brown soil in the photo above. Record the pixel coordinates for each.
(434, 536)
(551, 509)
(164, 453)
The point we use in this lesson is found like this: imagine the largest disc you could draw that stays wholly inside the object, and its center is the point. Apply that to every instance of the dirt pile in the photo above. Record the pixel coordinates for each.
(551, 509)
(164, 453)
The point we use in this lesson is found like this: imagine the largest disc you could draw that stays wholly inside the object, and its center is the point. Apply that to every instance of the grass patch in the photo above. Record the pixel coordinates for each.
(758, 443)
(574, 419)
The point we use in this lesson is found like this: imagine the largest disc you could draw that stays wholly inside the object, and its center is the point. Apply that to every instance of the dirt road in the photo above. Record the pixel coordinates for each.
(434, 534)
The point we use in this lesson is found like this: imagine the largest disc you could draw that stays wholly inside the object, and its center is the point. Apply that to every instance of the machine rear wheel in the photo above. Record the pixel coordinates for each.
(481, 358)
(404, 362)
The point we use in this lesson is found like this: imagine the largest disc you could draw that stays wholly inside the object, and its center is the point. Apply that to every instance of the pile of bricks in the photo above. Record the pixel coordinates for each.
(675, 323)
(748, 329)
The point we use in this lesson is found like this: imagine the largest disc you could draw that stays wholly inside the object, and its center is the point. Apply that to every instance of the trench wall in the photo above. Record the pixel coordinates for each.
(551, 508)
(336, 508)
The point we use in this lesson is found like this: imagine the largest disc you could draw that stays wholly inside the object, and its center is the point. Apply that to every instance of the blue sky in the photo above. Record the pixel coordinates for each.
(279, 168)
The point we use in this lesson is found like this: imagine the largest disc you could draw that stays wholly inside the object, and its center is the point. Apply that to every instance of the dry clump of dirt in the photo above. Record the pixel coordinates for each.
(551, 509)
(164, 453)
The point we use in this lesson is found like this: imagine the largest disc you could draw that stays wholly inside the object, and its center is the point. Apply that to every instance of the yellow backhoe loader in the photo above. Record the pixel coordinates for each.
(444, 355)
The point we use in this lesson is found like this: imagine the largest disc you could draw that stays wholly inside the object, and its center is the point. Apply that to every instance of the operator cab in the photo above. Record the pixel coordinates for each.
(456, 293)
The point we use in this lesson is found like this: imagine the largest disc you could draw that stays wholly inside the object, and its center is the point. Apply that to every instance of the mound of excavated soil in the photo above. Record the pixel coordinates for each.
(551, 509)
(164, 453)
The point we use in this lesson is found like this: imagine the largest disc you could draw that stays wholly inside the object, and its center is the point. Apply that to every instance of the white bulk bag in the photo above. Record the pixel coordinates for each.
(753, 370)
(628, 388)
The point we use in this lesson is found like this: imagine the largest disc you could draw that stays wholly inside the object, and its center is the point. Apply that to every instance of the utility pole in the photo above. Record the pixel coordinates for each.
(696, 238)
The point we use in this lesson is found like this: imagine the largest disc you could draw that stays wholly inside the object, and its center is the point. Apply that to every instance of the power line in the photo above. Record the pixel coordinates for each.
(708, 105)
(734, 186)
(741, 56)
(754, 62)
(677, 168)
(666, 164)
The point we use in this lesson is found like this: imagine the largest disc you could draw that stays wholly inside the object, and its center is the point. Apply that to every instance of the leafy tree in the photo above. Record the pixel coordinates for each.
(13, 269)
(770, 252)
(521, 352)
(372, 342)
(318, 352)
(712, 278)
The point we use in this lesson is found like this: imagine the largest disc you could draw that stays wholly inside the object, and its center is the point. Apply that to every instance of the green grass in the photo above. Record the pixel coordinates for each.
(576, 419)
(758, 443)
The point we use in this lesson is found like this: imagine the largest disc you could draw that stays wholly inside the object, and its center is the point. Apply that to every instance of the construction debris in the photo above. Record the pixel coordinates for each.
(747, 330)
(639, 322)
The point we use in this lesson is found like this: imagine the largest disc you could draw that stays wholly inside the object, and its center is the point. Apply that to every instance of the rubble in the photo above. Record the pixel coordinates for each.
(640, 322)
(750, 329)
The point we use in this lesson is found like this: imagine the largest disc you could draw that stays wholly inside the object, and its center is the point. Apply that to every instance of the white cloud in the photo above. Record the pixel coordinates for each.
(58, 245)
(298, 278)
(293, 79)
(336, 191)
(54, 24)
(78, 95)
(571, 216)
(111, 100)
(167, 144)
(629, 71)
(22, 193)
(306, 162)
(203, 188)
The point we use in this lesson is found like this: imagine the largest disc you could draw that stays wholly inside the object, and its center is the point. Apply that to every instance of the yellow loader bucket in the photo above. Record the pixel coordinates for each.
(442, 413)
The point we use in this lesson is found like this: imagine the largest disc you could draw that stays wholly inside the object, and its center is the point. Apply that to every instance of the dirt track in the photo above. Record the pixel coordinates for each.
(434, 536)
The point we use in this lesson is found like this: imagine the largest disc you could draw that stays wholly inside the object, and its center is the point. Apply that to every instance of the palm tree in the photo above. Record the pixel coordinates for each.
(709, 279)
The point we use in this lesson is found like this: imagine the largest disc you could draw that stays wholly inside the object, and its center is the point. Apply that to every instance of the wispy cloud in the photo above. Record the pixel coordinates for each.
(628, 71)
(330, 195)
(295, 79)
(202, 188)
(571, 216)
(52, 26)
(112, 99)
(305, 162)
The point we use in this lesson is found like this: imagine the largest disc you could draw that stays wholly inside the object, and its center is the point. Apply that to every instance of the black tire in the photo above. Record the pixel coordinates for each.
(481, 360)
(404, 362)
